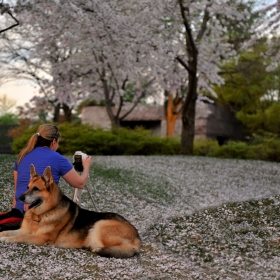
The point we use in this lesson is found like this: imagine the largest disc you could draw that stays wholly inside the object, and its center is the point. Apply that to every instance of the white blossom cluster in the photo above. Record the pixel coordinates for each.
(97, 47)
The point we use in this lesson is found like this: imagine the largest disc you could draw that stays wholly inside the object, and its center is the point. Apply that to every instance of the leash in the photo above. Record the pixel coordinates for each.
(76, 196)
(91, 198)
(77, 163)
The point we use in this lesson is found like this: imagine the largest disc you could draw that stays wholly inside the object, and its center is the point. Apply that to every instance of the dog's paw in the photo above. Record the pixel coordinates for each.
(5, 239)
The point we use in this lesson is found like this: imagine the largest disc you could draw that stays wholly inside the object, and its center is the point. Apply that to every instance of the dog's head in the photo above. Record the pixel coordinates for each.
(39, 189)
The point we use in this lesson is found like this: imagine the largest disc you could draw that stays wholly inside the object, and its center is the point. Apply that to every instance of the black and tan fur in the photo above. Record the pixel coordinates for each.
(56, 220)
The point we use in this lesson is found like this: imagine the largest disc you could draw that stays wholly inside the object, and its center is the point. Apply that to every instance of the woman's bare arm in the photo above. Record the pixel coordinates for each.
(76, 180)
(15, 188)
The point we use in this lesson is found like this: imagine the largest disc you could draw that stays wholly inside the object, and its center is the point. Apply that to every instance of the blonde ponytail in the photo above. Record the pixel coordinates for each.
(29, 147)
(46, 131)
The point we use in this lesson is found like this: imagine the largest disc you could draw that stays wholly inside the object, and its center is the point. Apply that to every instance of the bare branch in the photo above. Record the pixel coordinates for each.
(6, 9)
(203, 28)
(183, 63)
(138, 99)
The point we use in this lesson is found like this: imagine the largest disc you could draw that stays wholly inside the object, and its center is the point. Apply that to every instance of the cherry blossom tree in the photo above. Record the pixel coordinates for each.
(202, 45)
(99, 47)
(69, 66)
(162, 34)
(268, 26)
(26, 55)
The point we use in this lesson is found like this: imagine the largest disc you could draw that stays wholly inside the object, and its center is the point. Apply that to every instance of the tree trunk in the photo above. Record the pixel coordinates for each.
(171, 126)
(172, 113)
(56, 113)
(67, 113)
(188, 117)
(188, 114)
(114, 118)
(115, 122)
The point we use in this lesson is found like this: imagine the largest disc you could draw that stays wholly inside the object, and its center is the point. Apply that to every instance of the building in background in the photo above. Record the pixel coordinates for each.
(212, 121)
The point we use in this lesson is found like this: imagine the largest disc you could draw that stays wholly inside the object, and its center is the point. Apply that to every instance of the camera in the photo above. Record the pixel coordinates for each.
(77, 160)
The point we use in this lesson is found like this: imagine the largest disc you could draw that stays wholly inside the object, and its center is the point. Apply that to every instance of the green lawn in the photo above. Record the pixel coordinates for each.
(198, 217)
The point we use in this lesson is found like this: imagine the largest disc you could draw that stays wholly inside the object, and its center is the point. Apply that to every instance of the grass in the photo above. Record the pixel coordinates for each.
(198, 217)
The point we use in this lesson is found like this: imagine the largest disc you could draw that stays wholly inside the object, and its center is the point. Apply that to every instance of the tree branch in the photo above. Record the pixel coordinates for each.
(6, 9)
(203, 28)
(183, 63)
(138, 99)
(190, 44)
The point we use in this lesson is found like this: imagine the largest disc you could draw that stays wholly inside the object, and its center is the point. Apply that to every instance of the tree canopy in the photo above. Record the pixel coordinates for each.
(251, 91)
(96, 48)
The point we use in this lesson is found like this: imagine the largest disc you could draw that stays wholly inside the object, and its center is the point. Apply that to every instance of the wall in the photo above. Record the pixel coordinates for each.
(148, 116)
(211, 121)
(96, 116)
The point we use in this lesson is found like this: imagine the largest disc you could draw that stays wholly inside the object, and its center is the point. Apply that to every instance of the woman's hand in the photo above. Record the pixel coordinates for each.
(78, 180)
(87, 162)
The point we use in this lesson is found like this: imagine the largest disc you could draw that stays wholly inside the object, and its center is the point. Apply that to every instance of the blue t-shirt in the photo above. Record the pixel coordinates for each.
(40, 157)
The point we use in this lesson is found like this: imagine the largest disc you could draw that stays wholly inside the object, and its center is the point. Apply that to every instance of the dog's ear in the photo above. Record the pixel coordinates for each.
(33, 172)
(48, 176)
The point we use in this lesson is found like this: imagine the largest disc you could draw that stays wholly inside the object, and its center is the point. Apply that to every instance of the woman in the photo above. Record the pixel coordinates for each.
(41, 151)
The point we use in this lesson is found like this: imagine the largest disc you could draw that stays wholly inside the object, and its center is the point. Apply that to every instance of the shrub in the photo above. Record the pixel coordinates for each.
(204, 146)
(96, 141)
(269, 149)
(240, 150)
(9, 118)
(20, 142)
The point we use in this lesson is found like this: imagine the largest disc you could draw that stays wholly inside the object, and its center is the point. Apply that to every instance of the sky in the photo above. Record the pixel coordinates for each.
(22, 92)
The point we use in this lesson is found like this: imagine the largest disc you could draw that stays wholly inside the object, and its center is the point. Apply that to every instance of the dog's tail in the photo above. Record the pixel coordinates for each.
(125, 250)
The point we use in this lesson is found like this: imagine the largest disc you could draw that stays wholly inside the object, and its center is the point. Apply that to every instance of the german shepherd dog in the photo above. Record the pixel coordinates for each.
(54, 219)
